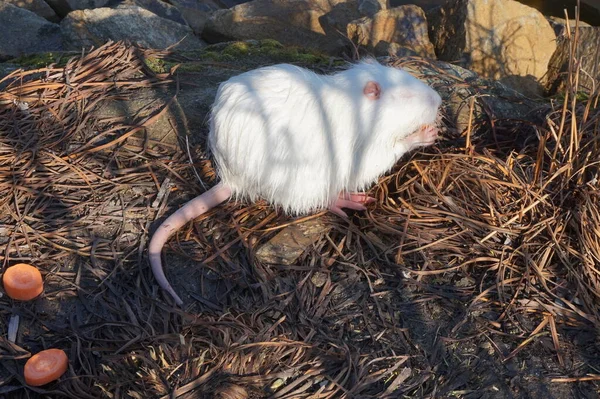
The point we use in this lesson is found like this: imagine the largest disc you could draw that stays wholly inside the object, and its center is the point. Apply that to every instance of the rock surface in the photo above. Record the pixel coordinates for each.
(588, 52)
(490, 98)
(291, 242)
(84, 28)
(559, 24)
(60, 7)
(396, 31)
(158, 7)
(371, 7)
(24, 32)
(499, 39)
(195, 13)
(88, 4)
(317, 24)
(40, 7)
(230, 3)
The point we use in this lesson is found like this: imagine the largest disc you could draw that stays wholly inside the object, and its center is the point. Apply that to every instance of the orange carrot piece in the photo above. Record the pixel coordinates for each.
(22, 282)
(45, 366)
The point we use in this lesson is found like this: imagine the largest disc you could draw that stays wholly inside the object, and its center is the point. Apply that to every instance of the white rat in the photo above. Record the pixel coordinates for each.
(307, 142)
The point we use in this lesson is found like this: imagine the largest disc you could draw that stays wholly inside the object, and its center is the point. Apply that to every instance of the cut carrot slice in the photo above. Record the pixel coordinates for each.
(22, 282)
(45, 366)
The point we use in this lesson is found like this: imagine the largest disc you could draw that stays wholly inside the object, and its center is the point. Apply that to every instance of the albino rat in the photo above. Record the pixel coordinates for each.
(305, 142)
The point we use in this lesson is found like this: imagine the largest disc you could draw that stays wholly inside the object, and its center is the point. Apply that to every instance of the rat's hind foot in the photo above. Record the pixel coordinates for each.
(342, 203)
(362, 198)
(355, 201)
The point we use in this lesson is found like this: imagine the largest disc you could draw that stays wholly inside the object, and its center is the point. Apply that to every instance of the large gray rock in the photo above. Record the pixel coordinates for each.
(89, 4)
(309, 23)
(84, 28)
(24, 32)
(40, 7)
(491, 99)
(588, 54)
(157, 7)
(195, 13)
(396, 31)
(499, 39)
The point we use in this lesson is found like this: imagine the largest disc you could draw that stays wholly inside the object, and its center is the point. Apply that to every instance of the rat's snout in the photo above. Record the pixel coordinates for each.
(434, 99)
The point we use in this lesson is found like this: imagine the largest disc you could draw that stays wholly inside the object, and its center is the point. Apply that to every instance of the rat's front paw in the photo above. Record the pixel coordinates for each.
(428, 135)
(423, 137)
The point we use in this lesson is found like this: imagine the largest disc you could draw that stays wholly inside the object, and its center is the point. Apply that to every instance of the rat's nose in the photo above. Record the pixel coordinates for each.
(435, 100)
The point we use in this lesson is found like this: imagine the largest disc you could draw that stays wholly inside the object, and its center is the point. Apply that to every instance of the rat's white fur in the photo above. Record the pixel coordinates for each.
(298, 139)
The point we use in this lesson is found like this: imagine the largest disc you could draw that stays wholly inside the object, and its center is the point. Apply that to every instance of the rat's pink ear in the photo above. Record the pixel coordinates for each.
(372, 90)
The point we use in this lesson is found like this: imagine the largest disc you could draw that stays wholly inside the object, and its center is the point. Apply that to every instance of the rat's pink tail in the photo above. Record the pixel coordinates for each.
(186, 213)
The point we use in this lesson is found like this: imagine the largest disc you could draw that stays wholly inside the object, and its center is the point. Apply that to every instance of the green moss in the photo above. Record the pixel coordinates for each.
(263, 48)
(580, 96)
(156, 65)
(270, 43)
(237, 49)
(227, 58)
(303, 56)
(210, 55)
(192, 66)
(253, 53)
(41, 60)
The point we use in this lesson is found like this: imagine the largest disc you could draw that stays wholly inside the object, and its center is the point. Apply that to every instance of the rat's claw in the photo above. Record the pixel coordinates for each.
(338, 211)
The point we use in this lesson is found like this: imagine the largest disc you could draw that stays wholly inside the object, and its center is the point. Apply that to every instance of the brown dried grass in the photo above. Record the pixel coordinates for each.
(481, 239)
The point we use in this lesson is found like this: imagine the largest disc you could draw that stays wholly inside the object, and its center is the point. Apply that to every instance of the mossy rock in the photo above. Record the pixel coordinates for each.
(250, 54)
(271, 43)
(238, 49)
(41, 60)
(157, 65)
(36, 61)
(239, 55)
